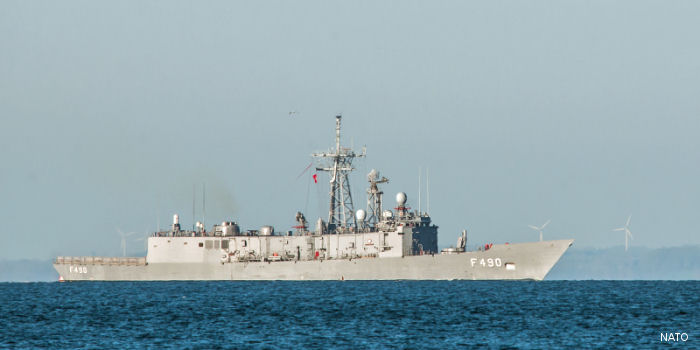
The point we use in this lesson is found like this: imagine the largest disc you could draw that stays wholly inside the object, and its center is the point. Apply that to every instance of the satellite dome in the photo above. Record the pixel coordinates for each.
(360, 215)
(401, 198)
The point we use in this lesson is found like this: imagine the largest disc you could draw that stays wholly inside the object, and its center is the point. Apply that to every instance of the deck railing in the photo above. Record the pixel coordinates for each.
(100, 260)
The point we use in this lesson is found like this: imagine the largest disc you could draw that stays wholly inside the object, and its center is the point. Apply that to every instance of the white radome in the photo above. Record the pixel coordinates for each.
(176, 219)
(401, 198)
(360, 215)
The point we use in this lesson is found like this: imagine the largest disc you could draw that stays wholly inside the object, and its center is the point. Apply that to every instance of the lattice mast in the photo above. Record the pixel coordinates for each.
(340, 213)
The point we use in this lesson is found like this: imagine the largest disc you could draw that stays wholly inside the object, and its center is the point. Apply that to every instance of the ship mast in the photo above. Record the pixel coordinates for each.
(374, 197)
(340, 213)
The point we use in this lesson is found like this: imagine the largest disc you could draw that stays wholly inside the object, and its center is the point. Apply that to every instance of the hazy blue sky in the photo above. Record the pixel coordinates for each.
(580, 111)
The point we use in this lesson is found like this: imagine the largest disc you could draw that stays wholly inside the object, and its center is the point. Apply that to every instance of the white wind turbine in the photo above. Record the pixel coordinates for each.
(539, 228)
(123, 236)
(628, 233)
(144, 238)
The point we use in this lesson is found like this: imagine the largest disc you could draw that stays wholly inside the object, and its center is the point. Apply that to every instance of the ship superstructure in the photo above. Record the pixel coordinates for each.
(375, 243)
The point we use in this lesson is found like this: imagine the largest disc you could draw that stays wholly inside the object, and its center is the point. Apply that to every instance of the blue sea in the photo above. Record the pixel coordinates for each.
(350, 314)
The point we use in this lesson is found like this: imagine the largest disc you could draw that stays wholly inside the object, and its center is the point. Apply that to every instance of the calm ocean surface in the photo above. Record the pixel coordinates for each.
(351, 314)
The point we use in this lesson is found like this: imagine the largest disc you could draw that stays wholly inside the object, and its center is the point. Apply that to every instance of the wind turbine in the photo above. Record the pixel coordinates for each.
(539, 228)
(145, 240)
(628, 233)
(123, 236)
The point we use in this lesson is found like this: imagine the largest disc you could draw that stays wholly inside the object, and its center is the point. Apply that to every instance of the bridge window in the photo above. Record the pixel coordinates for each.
(208, 244)
(224, 244)
(216, 244)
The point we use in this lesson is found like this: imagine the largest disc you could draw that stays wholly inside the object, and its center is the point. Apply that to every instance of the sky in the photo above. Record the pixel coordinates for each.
(113, 113)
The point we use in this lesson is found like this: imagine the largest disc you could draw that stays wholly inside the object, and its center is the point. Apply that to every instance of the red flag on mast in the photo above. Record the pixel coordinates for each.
(315, 179)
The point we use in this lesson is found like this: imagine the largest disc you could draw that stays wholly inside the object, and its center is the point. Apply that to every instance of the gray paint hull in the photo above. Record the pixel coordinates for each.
(522, 261)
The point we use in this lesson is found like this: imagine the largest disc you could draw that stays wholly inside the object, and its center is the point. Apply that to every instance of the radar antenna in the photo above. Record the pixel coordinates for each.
(341, 213)
(374, 197)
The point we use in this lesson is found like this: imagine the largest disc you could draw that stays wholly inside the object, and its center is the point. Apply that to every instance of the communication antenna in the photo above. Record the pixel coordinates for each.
(419, 190)
(193, 195)
(204, 203)
(427, 187)
(158, 213)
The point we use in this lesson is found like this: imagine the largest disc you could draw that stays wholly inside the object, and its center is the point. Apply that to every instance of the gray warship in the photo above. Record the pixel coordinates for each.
(373, 244)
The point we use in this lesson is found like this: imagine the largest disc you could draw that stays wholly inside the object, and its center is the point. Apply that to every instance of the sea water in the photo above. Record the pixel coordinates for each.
(351, 314)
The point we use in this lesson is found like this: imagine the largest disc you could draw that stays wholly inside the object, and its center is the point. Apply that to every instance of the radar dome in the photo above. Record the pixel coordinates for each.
(401, 198)
(360, 215)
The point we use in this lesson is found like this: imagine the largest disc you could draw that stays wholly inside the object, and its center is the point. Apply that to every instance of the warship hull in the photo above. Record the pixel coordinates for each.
(376, 244)
(521, 261)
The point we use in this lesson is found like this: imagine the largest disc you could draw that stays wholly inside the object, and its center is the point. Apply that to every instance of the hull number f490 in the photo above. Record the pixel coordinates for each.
(490, 262)
(77, 269)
